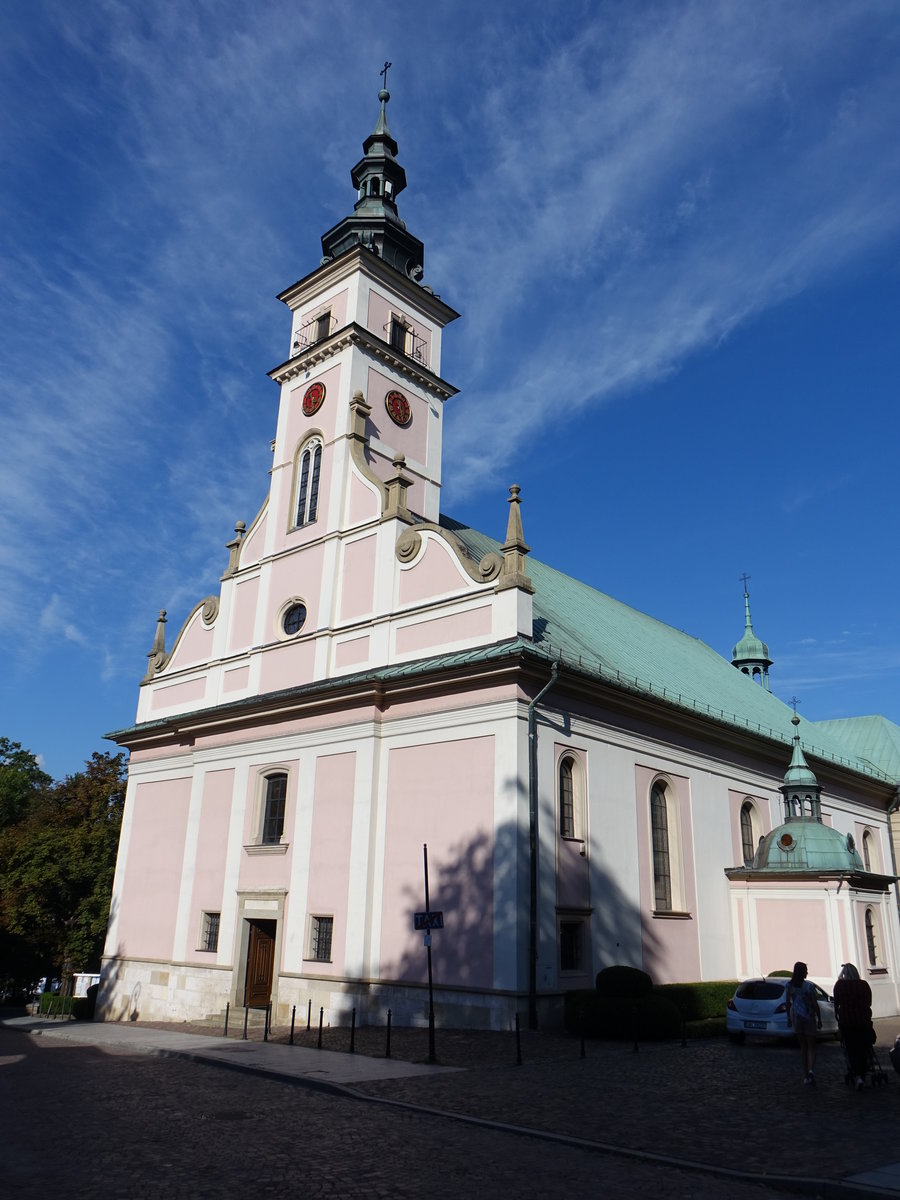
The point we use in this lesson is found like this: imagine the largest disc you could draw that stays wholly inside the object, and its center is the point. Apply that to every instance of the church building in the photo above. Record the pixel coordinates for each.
(372, 677)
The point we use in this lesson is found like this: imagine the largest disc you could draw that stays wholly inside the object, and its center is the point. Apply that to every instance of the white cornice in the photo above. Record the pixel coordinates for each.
(358, 258)
(356, 335)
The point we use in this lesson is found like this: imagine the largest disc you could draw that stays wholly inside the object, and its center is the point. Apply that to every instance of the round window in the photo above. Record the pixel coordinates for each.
(294, 619)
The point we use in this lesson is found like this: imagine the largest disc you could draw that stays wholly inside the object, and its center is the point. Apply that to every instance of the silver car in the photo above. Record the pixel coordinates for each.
(759, 1007)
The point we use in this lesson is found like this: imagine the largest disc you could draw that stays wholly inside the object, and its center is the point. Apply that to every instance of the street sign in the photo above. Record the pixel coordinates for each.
(428, 920)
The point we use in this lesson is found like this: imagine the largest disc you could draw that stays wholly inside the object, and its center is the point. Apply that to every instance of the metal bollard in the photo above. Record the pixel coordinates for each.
(227, 1010)
(309, 1015)
(518, 1043)
(246, 1015)
(293, 1014)
(268, 1017)
(387, 1052)
(321, 1015)
(353, 1032)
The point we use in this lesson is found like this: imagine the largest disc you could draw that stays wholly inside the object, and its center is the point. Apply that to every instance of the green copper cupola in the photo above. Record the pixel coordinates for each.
(751, 655)
(375, 222)
(801, 790)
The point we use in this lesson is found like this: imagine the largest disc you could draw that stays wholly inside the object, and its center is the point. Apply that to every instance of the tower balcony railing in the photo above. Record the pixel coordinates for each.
(313, 331)
(407, 340)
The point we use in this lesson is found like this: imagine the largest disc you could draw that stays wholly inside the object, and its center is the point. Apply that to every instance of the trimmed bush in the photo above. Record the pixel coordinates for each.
(624, 983)
(699, 1001)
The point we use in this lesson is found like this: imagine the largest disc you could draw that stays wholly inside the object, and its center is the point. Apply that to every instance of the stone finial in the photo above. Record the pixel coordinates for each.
(359, 414)
(513, 573)
(157, 657)
(395, 500)
(234, 549)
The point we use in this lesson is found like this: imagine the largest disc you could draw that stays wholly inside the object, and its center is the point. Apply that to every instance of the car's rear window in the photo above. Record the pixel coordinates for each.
(759, 989)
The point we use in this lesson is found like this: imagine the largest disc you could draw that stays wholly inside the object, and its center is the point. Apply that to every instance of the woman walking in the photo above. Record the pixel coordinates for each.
(804, 1015)
(853, 1009)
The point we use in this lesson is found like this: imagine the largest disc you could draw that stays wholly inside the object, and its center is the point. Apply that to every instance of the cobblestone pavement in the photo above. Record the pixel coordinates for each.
(87, 1121)
(84, 1124)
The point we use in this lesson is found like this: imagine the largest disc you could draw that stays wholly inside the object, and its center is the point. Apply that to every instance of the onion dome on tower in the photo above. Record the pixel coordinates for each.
(751, 655)
(375, 222)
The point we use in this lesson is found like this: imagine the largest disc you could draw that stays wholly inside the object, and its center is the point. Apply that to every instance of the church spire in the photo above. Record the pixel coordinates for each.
(375, 222)
(751, 655)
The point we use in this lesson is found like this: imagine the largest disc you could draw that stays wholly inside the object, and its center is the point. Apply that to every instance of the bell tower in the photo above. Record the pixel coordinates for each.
(362, 396)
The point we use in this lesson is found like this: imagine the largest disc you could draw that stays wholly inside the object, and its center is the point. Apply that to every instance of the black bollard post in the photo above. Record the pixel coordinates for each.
(634, 1023)
(309, 1015)
(246, 1015)
(518, 1043)
(683, 1032)
(583, 1054)
(227, 1009)
(387, 1052)
(293, 1015)
(266, 1021)
(353, 1032)
(321, 1015)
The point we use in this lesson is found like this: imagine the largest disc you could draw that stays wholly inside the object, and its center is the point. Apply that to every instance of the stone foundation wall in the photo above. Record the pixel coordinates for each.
(134, 990)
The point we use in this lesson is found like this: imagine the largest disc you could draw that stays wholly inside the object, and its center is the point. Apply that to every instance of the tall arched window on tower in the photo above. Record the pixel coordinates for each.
(308, 469)
(662, 864)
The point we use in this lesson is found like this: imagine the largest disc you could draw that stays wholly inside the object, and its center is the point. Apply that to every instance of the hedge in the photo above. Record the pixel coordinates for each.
(660, 1013)
(699, 1001)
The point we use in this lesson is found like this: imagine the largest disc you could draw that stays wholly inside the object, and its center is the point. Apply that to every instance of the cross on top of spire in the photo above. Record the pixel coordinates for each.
(383, 72)
(745, 579)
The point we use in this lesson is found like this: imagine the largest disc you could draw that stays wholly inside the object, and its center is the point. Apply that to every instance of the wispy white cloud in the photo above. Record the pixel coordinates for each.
(603, 196)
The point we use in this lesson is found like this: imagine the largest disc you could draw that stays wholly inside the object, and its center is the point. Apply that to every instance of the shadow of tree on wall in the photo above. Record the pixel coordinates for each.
(482, 886)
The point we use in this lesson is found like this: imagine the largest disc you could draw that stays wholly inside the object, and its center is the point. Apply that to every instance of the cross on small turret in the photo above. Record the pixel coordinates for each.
(794, 702)
(745, 579)
(384, 72)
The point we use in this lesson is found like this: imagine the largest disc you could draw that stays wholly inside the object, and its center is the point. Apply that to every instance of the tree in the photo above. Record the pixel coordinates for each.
(56, 868)
(21, 779)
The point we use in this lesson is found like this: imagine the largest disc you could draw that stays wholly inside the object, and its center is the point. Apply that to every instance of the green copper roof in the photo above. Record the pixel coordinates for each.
(875, 739)
(807, 845)
(603, 636)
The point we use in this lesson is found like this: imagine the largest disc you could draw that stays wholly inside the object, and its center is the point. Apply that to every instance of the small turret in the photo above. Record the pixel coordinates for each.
(375, 222)
(751, 655)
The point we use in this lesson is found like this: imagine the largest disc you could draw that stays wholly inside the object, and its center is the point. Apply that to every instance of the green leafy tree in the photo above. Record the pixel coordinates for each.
(56, 868)
(21, 779)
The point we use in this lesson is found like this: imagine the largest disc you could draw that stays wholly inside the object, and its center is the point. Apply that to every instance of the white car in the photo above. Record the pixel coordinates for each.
(759, 1007)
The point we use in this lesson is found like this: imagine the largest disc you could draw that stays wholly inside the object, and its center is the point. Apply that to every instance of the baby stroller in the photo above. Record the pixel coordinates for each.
(874, 1069)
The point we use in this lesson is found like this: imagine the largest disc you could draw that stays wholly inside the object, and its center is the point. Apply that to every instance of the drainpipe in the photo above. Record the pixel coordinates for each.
(532, 841)
(895, 804)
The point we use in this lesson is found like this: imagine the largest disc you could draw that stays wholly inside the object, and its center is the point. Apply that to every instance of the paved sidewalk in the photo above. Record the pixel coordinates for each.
(736, 1112)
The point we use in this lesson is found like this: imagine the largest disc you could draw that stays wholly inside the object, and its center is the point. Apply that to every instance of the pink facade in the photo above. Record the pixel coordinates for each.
(148, 898)
(443, 796)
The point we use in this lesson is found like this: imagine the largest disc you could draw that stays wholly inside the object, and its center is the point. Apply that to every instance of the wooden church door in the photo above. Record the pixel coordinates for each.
(260, 963)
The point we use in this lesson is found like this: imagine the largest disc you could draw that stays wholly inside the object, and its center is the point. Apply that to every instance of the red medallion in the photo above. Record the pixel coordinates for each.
(398, 408)
(312, 398)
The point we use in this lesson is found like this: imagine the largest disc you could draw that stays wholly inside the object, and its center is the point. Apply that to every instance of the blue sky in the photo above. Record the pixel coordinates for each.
(673, 232)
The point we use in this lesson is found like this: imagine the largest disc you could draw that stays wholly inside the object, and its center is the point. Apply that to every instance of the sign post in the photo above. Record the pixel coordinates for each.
(431, 1055)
